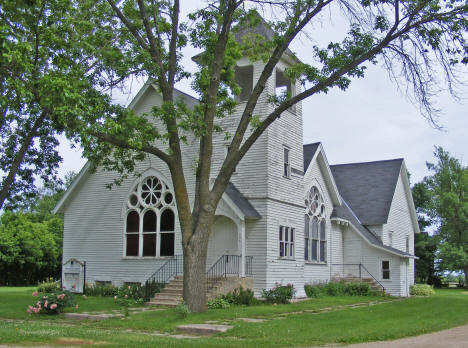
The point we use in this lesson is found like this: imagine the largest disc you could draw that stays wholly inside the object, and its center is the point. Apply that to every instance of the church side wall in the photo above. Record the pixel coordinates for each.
(400, 224)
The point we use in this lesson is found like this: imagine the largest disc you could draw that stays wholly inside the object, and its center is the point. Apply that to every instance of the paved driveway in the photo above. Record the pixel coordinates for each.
(456, 337)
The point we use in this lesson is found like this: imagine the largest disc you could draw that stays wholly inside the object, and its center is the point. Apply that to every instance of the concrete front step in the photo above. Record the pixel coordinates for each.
(161, 296)
(165, 303)
(203, 329)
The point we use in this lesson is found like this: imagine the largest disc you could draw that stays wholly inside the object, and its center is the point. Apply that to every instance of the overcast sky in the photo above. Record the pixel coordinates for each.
(370, 121)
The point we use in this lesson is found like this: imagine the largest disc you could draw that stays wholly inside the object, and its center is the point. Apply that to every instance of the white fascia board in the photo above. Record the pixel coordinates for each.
(379, 247)
(325, 166)
(61, 203)
(233, 207)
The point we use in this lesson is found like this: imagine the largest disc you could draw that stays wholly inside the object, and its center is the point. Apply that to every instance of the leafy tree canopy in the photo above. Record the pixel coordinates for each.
(446, 202)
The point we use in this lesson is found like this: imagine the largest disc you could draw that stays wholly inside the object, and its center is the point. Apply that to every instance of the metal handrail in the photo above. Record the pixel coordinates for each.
(383, 288)
(169, 269)
(225, 265)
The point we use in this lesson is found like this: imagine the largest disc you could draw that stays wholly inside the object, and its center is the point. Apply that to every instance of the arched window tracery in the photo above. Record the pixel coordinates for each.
(150, 219)
(315, 236)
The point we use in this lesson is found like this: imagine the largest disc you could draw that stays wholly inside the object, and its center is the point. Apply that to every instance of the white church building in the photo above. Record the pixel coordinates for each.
(287, 216)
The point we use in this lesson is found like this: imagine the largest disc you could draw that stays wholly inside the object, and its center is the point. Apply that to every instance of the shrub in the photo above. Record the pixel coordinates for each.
(241, 296)
(357, 289)
(339, 289)
(421, 290)
(279, 293)
(104, 290)
(133, 292)
(49, 286)
(217, 303)
(52, 303)
(182, 310)
(313, 291)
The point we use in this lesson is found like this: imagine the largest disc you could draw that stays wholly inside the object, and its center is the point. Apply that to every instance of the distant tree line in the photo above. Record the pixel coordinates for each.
(31, 238)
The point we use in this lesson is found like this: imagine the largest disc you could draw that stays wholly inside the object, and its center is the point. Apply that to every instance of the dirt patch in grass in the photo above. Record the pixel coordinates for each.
(78, 342)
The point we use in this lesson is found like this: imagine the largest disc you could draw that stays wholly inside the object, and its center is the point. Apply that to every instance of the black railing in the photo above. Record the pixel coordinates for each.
(224, 266)
(354, 270)
(172, 267)
(227, 265)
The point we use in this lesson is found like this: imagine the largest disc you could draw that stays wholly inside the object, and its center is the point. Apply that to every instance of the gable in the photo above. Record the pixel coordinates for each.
(368, 188)
(318, 169)
(402, 215)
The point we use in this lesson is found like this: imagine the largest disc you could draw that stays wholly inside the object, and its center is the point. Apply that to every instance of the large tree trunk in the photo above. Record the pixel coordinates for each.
(195, 253)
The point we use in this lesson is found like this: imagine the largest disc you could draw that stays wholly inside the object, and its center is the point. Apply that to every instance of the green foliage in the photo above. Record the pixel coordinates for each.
(31, 241)
(218, 303)
(104, 290)
(136, 292)
(30, 250)
(241, 296)
(425, 247)
(447, 206)
(48, 80)
(339, 289)
(313, 291)
(52, 303)
(421, 290)
(48, 286)
(182, 310)
(279, 293)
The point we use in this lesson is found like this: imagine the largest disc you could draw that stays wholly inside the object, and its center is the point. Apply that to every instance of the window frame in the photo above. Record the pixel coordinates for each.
(286, 164)
(390, 239)
(382, 269)
(286, 242)
(141, 210)
(407, 243)
(317, 240)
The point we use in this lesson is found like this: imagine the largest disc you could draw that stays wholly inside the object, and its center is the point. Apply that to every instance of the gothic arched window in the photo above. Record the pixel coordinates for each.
(150, 219)
(315, 236)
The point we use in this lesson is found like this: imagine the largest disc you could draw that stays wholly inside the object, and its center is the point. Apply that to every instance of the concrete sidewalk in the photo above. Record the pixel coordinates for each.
(456, 337)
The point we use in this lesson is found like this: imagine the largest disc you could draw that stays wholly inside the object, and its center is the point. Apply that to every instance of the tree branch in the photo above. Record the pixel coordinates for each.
(126, 145)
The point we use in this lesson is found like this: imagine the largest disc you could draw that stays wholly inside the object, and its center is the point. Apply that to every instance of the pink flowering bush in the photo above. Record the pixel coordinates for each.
(52, 303)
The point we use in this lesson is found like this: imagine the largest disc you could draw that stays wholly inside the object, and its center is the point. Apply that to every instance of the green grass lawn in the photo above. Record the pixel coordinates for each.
(386, 321)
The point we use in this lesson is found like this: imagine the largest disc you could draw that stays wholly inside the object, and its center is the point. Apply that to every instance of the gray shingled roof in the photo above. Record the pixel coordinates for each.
(189, 100)
(368, 188)
(241, 202)
(309, 151)
(346, 213)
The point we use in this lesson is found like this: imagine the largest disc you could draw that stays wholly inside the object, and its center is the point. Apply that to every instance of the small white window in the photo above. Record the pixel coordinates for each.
(407, 244)
(286, 163)
(385, 269)
(286, 242)
(390, 239)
